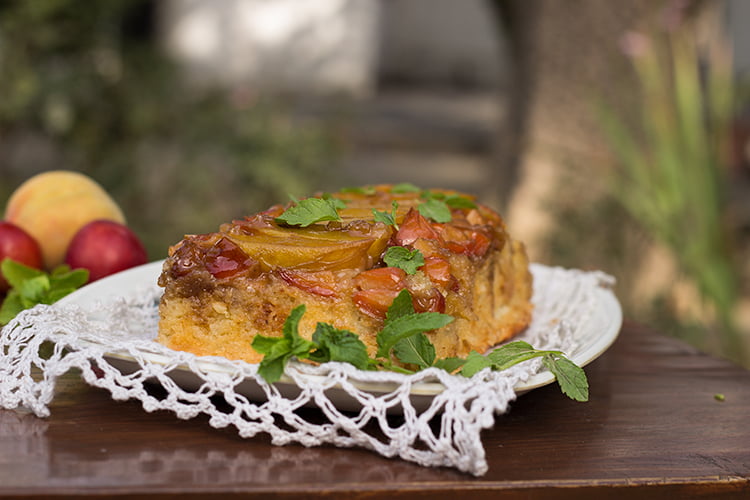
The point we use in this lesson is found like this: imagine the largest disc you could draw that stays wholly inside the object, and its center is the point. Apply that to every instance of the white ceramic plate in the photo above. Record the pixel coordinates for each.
(593, 338)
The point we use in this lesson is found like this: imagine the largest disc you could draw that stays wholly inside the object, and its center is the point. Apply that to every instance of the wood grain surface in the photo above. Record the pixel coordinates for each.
(652, 429)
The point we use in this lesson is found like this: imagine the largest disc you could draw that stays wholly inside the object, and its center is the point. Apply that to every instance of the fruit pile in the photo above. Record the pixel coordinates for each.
(61, 220)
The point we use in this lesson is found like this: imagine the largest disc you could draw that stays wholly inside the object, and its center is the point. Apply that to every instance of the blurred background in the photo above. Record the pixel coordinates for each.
(610, 135)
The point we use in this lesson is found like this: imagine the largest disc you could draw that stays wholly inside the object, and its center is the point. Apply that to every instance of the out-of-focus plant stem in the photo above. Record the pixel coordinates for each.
(671, 177)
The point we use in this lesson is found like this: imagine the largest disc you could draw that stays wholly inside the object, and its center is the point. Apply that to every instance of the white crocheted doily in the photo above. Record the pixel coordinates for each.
(440, 416)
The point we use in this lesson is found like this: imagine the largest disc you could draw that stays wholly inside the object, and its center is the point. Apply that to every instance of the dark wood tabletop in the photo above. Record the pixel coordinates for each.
(654, 428)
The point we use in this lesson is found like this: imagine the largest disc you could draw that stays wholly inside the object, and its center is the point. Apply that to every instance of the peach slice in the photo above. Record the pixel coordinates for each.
(313, 248)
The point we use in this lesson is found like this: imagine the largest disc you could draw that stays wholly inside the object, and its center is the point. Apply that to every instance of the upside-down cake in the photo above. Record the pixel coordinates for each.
(222, 289)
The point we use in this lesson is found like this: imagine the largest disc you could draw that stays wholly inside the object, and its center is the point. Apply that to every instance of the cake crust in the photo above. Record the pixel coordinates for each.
(222, 289)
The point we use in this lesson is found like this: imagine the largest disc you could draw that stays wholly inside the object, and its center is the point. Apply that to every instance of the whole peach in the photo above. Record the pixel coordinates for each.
(53, 206)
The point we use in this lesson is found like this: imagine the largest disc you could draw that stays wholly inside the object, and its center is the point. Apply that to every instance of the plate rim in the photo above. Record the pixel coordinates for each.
(605, 300)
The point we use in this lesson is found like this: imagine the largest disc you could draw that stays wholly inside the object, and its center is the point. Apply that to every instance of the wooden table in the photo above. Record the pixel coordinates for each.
(653, 428)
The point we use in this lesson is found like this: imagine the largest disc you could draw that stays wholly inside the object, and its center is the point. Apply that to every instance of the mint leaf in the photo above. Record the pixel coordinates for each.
(16, 273)
(458, 201)
(436, 210)
(31, 286)
(34, 290)
(474, 364)
(337, 203)
(364, 190)
(11, 307)
(415, 350)
(513, 353)
(403, 258)
(452, 200)
(279, 350)
(406, 326)
(309, 211)
(405, 187)
(401, 306)
(389, 219)
(339, 345)
(449, 364)
(63, 278)
(570, 377)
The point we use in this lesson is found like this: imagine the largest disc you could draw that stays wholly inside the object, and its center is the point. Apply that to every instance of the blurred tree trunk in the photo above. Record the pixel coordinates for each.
(565, 57)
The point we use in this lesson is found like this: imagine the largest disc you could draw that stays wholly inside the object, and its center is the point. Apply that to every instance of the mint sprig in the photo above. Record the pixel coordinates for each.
(389, 219)
(403, 258)
(30, 286)
(311, 210)
(437, 210)
(403, 338)
(406, 323)
(405, 187)
(279, 350)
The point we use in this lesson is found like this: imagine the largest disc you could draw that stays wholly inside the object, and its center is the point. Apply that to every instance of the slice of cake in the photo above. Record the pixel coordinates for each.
(224, 288)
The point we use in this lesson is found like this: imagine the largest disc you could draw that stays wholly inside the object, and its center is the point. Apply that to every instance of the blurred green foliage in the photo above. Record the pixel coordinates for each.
(86, 84)
(673, 165)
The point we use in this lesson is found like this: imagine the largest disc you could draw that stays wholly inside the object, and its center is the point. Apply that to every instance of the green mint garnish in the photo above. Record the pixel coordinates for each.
(415, 350)
(403, 337)
(279, 350)
(403, 258)
(389, 219)
(332, 344)
(364, 190)
(570, 377)
(452, 200)
(405, 187)
(457, 201)
(30, 286)
(398, 326)
(311, 210)
(436, 210)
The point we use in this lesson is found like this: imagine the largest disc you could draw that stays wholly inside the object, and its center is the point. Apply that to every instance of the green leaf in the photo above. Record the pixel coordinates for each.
(507, 355)
(279, 350)
(452, 200)
(403, 258)
(415, 350)
(407, 325)
(449, 364)
(309, 211)
(436, 210)
(62, 279)
(11, 307)
(389, 219)
(339, 345)
(474, 364)
(337, 203)
(364, 190)
(458, 201)
(34, 289)
(16, 273)
(570, 377)
(401, 306)
(405, 187)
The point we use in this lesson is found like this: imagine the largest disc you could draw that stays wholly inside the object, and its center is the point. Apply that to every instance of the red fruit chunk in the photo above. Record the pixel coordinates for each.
(225, 259)
(377, 289)
(429, 301)
(438, 270)
(105, 247)
(466, 241)
(20, 246)
(321, 283)
(415, 227)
